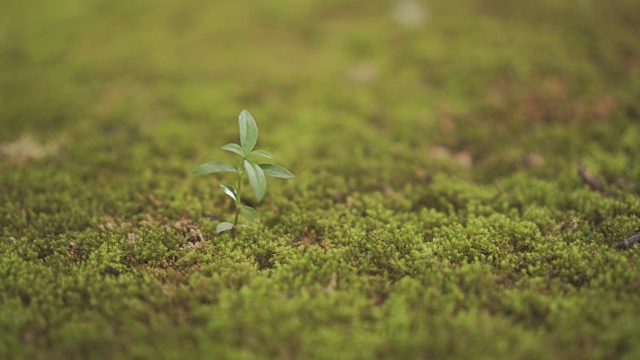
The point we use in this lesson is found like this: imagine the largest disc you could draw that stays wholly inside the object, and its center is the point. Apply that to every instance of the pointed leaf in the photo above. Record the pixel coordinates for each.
(259, 153)
(278, 171)
(234, 148)
(248, 131)
(257, 179)
(230, 190)
(249, 213)
(212, 167)
(224, 226)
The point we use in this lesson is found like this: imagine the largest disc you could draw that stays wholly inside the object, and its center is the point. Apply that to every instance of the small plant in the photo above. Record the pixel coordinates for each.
(249, 165)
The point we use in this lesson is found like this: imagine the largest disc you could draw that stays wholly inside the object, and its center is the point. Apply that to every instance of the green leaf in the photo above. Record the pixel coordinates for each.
(257, 179)
(249, 213)
(234, 148)
(260, 153)
(248, 131)
(212, 167)
(224, 226)
(230, 190)
(278, 171)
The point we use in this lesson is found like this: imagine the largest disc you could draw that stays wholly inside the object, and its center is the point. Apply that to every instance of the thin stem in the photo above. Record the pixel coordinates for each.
(238, 198)
(630, 241)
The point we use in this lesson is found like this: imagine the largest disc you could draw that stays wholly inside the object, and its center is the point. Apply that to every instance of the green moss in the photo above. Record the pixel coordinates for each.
(437, 210)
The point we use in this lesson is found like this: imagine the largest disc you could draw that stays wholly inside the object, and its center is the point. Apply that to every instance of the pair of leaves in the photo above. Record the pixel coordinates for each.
(237, 149)
(256, 173)
(248, 139)
(225, 225)
(247, 212)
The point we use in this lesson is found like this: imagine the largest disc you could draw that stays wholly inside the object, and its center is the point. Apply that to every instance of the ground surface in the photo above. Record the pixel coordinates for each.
(437, 210)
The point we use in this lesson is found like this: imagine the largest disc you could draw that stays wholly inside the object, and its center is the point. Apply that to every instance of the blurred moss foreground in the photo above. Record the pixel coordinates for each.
(436, 213)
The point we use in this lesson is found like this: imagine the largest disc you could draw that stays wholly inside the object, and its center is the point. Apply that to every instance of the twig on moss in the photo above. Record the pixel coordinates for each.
(590, 179)
(630, 241)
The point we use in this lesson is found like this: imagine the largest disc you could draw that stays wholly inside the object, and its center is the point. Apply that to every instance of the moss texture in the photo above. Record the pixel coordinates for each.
(437, 211)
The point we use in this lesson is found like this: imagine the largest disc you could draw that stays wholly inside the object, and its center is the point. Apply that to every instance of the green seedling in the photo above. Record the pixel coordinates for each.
(250, 165)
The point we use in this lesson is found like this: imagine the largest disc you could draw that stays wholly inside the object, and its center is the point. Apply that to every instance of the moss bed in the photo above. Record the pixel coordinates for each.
(437, 210)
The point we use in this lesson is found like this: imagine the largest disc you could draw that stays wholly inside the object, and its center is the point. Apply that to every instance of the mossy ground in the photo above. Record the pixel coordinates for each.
(436, 212)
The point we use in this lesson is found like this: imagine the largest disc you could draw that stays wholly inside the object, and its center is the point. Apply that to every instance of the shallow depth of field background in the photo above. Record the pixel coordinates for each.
(437, 211)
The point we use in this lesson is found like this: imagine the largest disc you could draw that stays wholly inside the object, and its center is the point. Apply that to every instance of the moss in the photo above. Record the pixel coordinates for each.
(437, 211)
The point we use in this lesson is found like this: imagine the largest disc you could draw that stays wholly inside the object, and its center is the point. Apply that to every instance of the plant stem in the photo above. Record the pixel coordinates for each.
(238, 195)
(630, 241)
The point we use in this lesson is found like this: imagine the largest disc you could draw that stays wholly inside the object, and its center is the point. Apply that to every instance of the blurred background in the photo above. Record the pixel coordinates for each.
(482, 87)
(435, 145)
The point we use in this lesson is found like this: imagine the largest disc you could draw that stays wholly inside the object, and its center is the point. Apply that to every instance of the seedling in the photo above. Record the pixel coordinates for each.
(249, 164)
